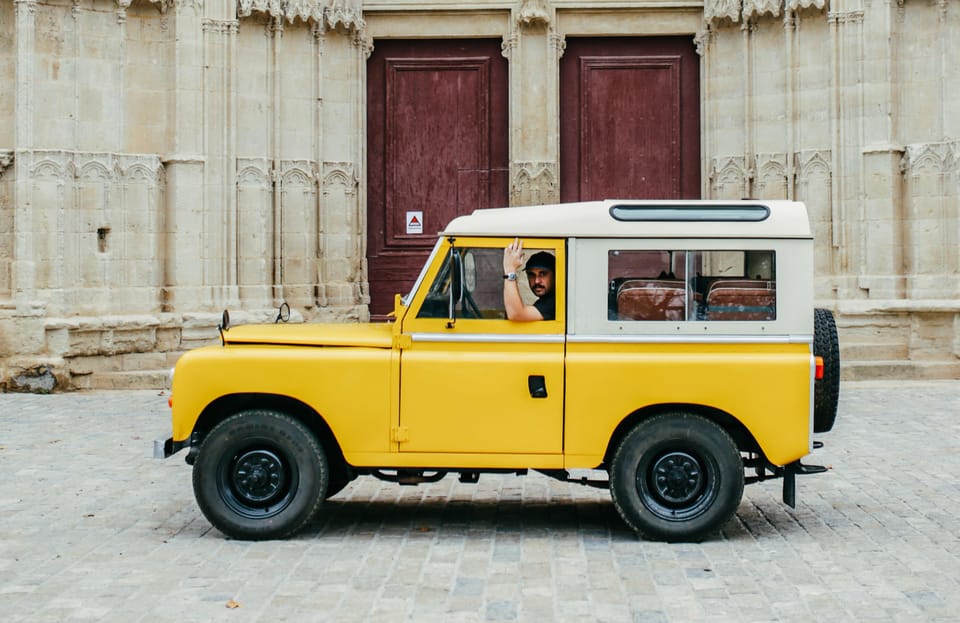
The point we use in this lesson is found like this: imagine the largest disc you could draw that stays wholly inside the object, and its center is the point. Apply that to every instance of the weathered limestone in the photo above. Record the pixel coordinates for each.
(533, 45)
(163, 159)
(847, 106)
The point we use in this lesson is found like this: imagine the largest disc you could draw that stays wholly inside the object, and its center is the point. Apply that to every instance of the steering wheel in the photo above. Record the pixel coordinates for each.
(470, 307)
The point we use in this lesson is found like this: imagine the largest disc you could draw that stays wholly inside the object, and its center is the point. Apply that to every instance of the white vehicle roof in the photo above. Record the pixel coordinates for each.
(641, 219)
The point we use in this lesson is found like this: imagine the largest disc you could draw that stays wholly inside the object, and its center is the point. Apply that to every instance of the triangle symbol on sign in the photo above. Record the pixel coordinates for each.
(414, 220)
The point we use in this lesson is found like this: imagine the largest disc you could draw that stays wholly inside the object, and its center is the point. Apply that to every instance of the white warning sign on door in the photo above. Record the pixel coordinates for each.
(415, 222)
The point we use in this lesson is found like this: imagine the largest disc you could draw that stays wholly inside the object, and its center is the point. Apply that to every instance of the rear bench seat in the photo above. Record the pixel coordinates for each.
(742, 299)
(651, 299)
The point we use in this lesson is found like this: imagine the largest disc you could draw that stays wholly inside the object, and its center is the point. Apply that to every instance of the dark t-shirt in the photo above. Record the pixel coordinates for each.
(547, 306)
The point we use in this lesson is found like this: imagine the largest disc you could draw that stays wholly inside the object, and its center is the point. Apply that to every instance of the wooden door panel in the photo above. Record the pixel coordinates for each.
(437, 146)
(630, 140)
(431, 140)
(630, 119)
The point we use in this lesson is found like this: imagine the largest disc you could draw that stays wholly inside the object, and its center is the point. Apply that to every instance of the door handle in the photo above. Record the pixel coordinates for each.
(537, 386)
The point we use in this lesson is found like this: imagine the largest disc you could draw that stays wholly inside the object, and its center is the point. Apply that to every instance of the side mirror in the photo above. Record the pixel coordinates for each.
(283, 314)
(456, 285)
(224, 326)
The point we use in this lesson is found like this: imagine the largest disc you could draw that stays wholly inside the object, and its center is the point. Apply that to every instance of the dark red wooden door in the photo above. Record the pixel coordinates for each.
(629, 119)
(437, 148)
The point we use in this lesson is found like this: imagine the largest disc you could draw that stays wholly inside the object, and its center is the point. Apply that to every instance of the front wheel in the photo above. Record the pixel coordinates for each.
(260, 475)
(676, 477)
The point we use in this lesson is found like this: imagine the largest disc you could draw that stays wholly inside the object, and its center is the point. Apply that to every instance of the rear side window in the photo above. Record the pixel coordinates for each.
(691, 285)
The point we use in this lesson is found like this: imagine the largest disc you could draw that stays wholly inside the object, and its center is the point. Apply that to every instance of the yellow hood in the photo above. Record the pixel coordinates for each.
(370, 335)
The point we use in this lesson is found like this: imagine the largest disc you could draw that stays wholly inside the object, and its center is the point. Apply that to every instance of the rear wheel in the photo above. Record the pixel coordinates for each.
(676, 477)
(260, 475)
(826, 391)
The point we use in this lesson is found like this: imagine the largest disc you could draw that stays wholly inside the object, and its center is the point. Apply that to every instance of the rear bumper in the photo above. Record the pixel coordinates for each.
(165, 448)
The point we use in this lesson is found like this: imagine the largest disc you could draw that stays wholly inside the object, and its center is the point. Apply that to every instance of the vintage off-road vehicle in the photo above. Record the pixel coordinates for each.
(685, 354)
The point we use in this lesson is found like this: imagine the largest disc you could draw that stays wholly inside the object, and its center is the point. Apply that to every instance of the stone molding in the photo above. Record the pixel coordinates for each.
(534, 13)
(331, 13)
(715, 11)
(298, 173)
(301, 172)
(340, 174)
(220, 26)
(531, 16)
(6, 159)
(769, 169)
(254, 170)
(727, 171)
(810, 161)
(756, 8)
(81, 164)
(533, 183)
(163, 5)
(942, 157)
(772, 180)
(796, 5)
(845, 17)
(718, 10)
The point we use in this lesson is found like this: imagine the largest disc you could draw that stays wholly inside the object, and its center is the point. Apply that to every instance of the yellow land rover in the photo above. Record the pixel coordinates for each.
(683, 353)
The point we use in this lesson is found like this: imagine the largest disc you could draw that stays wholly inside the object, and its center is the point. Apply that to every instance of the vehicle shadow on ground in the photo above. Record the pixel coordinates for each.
(468, 518)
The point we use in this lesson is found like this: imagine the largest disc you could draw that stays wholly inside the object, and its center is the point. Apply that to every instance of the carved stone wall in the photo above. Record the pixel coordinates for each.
(163, 159)
(852, 108)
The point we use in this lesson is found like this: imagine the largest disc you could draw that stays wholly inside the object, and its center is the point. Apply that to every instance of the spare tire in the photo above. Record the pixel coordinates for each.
(826, 391)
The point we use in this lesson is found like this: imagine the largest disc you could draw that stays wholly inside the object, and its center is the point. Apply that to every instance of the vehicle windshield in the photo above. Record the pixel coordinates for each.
(423, 271)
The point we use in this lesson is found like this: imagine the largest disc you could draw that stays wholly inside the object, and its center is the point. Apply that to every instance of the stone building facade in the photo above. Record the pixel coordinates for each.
(161, 160)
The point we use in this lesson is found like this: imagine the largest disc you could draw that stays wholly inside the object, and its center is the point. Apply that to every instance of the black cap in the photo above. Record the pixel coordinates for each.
(542, 259)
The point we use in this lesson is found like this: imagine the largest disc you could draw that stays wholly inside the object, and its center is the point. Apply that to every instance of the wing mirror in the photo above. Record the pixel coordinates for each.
(224, 326)
(283, 314)
(456, 286)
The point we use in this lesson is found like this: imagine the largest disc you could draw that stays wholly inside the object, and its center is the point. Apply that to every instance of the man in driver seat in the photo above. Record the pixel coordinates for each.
(541, 270)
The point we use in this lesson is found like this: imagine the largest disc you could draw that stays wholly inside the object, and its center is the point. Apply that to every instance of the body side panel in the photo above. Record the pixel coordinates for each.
(764, 386)
(349, 387)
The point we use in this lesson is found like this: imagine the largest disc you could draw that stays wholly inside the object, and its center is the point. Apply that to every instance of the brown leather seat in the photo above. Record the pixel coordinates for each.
(651, 299)
(742, 300)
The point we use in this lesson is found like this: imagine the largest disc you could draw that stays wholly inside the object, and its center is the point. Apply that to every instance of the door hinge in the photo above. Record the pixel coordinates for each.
(399, 434)
(402, 341)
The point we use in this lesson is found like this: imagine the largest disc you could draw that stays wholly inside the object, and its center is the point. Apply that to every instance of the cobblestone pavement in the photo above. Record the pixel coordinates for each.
(95, 529)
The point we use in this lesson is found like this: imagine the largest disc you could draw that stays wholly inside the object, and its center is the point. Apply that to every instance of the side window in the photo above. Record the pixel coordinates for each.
(482, 286)
(676, 285)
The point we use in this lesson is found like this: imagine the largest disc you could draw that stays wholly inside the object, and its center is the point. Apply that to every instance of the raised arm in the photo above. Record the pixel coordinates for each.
(512, 302)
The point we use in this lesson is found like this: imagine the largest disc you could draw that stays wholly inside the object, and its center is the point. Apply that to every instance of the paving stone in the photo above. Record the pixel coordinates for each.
(94, 529)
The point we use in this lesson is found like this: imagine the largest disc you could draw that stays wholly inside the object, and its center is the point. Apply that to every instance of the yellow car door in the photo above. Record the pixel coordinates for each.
(471, 381)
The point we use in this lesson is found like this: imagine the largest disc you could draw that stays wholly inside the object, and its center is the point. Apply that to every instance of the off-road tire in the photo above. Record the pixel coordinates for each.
(259, 475)
(826, 391)
(676, 477)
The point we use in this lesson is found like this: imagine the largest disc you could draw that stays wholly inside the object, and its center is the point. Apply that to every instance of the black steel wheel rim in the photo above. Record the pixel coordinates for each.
(677, 484)
(257, 482)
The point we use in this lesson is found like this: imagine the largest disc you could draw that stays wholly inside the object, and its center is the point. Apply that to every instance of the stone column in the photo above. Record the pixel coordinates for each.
(220, 170)
(185, 166)
(23, 269)
(21, 318)
(343, 51)
(533, 49)
(875, 131)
